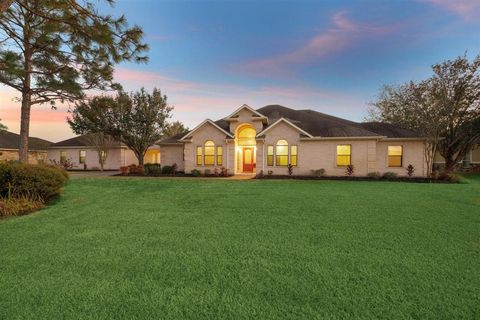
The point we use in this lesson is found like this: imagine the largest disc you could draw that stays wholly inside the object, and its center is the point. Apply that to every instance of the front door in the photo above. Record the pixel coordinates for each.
(248, 163)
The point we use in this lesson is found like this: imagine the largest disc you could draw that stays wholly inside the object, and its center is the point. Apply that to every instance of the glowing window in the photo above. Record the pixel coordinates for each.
(282, 153)
(293, 155)
(63, 156)
(82, 155)
(219, 156)
(209, 155)
(344, 155)
(269, 155)
(395, 154)
(246, 137)
(199, 156)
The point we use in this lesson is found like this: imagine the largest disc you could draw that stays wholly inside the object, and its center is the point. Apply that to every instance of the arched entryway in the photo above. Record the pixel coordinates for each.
(245, 149)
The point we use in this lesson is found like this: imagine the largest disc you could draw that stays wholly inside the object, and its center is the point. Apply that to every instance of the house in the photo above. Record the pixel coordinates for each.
(268, 139)
(471, 162)
(10, 143)
(84, 156)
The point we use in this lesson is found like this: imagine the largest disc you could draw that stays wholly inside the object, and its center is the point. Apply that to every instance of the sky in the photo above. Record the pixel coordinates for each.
(210, 57)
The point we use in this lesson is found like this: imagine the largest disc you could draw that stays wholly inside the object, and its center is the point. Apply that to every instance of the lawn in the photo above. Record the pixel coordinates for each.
(202, 249)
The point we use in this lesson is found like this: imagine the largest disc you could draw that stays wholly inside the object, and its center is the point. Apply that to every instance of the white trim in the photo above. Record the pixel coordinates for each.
(201, 124)
(245, 106)
(286, 121)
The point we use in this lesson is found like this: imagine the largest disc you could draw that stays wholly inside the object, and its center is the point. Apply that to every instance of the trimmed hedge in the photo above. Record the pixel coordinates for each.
(152, 169)
(39, 182)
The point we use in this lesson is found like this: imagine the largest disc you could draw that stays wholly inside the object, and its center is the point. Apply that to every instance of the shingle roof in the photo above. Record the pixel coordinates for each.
(10, 140)
(389, 130)
(321, 125)
(316, 123)
(79, 141)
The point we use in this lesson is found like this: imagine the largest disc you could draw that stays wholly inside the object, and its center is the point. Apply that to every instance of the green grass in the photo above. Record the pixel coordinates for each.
(203, 249)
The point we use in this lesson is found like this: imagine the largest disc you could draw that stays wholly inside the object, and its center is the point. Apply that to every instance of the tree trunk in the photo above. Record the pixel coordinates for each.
(24, 127)
(5, 4)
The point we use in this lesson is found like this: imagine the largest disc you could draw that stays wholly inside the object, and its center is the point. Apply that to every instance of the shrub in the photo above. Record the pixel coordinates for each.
(124, 170)
(208, 172)
(270, 172)
(196, 173)
(216, 172)
(390, 175)
(132, 169)
(290, 169)
(224, 172)
(374, 175)
(451, 177)
(152, 169)
(174, 168)
(19, 206)
(349, 170)
(33, 181)
(318, 172)
(410, 170)
(65, 165)
(167, 169)
(260, 175)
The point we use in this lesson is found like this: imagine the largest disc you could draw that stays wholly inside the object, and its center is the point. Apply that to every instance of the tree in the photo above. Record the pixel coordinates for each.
(2, 127)
(102, 144)
(456, 91)
(4, 4)
(175, 128)
(137, 119)
(54, 50)
(445, 109)
(410, 106)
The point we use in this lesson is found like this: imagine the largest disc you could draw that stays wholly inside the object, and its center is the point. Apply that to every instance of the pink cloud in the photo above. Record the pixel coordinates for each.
(466, 9)
(342, 34)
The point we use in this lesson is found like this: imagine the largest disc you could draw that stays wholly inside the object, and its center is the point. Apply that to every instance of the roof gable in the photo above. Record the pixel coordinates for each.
(287, 122)
(190, 133)
(254, 112)
(10, 140)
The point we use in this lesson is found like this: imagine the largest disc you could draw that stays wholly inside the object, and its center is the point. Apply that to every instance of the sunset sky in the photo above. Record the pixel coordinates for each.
(332, 56)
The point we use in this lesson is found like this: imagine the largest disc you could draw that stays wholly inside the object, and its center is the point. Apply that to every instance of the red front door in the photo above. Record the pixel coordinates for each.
(248, 162)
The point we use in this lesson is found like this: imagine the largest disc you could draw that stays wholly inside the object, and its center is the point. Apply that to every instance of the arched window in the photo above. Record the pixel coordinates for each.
(209, 153)
(281, 153)
(246, 137)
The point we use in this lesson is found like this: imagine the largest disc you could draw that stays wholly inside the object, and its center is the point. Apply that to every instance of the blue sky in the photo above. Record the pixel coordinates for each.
(209, 57)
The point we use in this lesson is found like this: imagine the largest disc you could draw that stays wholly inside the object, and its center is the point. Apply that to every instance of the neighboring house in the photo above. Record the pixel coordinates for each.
(270, 138)
(10, 143)
(85, 157)
(470, 162)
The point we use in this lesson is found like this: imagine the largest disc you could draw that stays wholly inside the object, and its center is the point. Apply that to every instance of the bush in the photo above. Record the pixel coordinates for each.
(39, 182)
(374, 175)
(124, 170)
(167, 170)
(224, 172)
(152, 169)
(19, 206)
(349, 170)
(410, 170)
(196, 173)
(260, 175)
(451, 177)
(318, 172)
(270, 172)
(390, 175)
(132, 169)
(208, 172)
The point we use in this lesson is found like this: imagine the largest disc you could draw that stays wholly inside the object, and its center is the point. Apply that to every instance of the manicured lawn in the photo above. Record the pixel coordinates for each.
(202, 249)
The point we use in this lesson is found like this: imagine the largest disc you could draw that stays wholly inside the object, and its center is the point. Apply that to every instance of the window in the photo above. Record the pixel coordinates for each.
(282, 153)
(395, 154)
(82, 155)
(269, 155)
(199, 156)
(209, 157)
(344, 155)
(63, 156)
(103, 155)
(40, 158)
(293, 155)
(219, 156)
